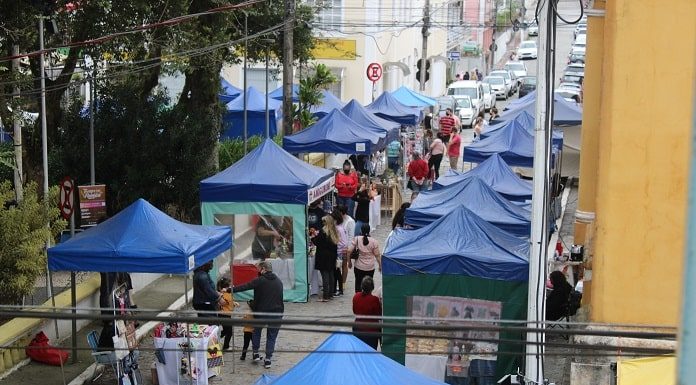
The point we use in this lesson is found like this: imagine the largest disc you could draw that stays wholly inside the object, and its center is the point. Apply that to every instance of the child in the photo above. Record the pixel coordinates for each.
(248, 330)
(226, 310)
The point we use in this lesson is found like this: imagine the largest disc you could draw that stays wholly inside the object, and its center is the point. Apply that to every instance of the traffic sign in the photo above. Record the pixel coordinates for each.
(67, 197)
(454, 55)
(374, 72)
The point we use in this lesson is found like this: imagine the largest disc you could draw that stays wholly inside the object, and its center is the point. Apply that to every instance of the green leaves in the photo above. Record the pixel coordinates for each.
(310, 93)
(23, 234)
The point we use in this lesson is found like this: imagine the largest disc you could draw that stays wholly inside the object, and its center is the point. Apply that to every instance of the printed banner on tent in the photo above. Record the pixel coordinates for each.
(461, 347)
(317, 192)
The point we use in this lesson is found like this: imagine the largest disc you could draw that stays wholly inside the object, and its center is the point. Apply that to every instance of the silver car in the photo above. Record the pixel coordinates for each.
(498, 86)
(518, 68)
(510, 82)
(489, 96)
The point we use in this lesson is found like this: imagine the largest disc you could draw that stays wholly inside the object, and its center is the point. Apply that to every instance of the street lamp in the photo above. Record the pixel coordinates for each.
(244, 91)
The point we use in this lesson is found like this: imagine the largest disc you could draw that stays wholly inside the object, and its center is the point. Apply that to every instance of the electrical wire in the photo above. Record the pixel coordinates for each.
(554, 4)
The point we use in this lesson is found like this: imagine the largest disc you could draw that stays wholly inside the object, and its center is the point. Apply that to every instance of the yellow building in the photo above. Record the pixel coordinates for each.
(636, 137)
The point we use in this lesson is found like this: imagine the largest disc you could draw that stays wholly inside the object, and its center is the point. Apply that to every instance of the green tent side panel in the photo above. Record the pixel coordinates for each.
(512, 295)
(300, 292)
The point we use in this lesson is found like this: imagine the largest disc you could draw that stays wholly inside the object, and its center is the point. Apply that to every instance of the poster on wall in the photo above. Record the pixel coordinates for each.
(460, 346)
(92, 204)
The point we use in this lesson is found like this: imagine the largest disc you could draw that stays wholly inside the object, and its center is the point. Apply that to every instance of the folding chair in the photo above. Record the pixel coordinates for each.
(101, 358)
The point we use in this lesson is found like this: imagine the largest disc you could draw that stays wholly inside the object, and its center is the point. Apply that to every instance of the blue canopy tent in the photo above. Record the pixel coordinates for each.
(565, 113)
(329, 102)
(410, 98)
(270, 182)
(229, 92)
(141, 239)
(526, 121)
(357, 363)
(514, 144)
(495, 173)
(265, 379)
(387, 107)
(480, 272)
(256, 115)
(335, 133)
(277, 94)
(362, 116)
(474, 194)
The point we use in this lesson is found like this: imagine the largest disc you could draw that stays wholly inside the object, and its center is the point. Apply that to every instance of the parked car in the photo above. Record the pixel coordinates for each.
(580, 39)
(467, 111)
(579, 27)
(498, 86)
(510, 83)
(574, 79)
(571, 86)
(517, 68)
(489, 96)
(443, 103)
(575, 69)
(568, 94)
(470, 88)
(576, 57)
(533, 30)
(527, 50)
(527, 85)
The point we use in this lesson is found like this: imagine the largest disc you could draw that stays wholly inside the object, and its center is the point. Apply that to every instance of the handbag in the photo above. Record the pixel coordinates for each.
(355, 253)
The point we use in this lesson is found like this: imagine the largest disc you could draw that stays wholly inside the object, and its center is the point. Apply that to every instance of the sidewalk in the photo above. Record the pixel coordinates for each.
(158, 295)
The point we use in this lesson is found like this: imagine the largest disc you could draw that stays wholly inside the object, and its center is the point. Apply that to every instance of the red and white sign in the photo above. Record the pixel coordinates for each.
(67, 197)
(374, 72)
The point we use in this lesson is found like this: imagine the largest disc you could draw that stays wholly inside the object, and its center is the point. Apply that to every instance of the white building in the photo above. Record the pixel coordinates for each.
(351, 34)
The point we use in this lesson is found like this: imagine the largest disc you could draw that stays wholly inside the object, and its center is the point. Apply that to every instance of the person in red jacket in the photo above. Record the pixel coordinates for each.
(366, 304)
(347, 183)
(418, 172)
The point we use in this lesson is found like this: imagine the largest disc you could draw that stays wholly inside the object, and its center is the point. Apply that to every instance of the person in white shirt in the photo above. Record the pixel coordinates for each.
(349, 227)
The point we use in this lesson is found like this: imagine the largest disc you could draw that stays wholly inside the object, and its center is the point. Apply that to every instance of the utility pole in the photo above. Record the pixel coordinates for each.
(288, 43)
(244, 91)
(536, 297)
(92, 97)
(426, 33)
(17, 132)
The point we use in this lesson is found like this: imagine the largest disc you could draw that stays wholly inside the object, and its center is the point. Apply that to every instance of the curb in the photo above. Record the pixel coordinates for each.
(140, 333)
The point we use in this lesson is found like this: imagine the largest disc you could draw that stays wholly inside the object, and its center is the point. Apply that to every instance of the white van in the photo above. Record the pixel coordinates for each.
(470, 88)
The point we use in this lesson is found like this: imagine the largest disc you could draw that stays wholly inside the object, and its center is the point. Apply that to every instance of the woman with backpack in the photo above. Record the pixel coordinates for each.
(367, 256)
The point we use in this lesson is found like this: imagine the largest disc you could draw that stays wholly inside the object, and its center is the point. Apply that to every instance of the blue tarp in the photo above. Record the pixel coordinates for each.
(328, 102)
(365, 118)
(229, 92)
(411, 98)
(141, 239)
(265, 379)
(497, 174)
(277, 94)
(266, 174)
(458, 243)
(513, 143)
(474, 194)
(357, 363)
(256, 115)
(334, 133)
(525, 121)
(565, 113)
(386, 106)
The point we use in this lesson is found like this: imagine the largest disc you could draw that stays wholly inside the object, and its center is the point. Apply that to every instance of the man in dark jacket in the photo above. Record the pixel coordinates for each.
(268, 298)
(205, 297)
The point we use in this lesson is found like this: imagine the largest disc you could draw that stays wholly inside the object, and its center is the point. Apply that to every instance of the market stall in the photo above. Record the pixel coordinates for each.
(494, 172)
(525, 121)
(233, 119)
(474, 194)
(408, 97)
(277, 94)
(481, 273)
(229, 92)
(266, 191)
(565, 113)
(387, 107)
(329, 102)
(198, 355)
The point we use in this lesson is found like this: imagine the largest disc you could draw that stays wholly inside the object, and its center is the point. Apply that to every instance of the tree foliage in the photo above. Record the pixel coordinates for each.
(310, 93)
(232, 150)
(23, 234)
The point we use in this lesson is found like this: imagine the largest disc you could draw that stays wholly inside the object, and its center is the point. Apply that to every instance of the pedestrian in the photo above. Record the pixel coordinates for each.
(367, 305)
(428, 121)
(400, 215)
(265, 235)
(346, 183)
(362, 208)
(342, 261)
(418, 172)
(314, 214)
(454, 148)
(437, 149)
(326, 240)
(478, 126)
(248, 330)
(446, 124)
(494, 113)
(466, 75)
(368, 256)
(427, 141)
(268, 300)
(558, 298)
(226, 310)
(457, 121)
(458, 77)
(479, 75)
(205, 298)
(348, 221)
(393, 155)
(474, 76)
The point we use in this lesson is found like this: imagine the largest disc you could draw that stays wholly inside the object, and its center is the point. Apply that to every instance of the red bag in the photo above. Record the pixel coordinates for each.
(40, 351)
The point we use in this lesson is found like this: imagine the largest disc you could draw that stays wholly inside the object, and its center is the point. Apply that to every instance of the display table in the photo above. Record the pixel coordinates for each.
(428, 365)
(285, 270)
(175, 356)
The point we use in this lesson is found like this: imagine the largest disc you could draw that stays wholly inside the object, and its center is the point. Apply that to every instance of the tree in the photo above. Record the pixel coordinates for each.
(310, 93)
(23, 234)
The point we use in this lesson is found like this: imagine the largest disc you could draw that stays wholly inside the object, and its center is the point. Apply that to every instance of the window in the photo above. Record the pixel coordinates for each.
(337, 87)
(329, 13)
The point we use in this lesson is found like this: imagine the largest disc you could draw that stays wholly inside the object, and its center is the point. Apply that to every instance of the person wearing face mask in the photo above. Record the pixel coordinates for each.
(347, 183)
(268, 298)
